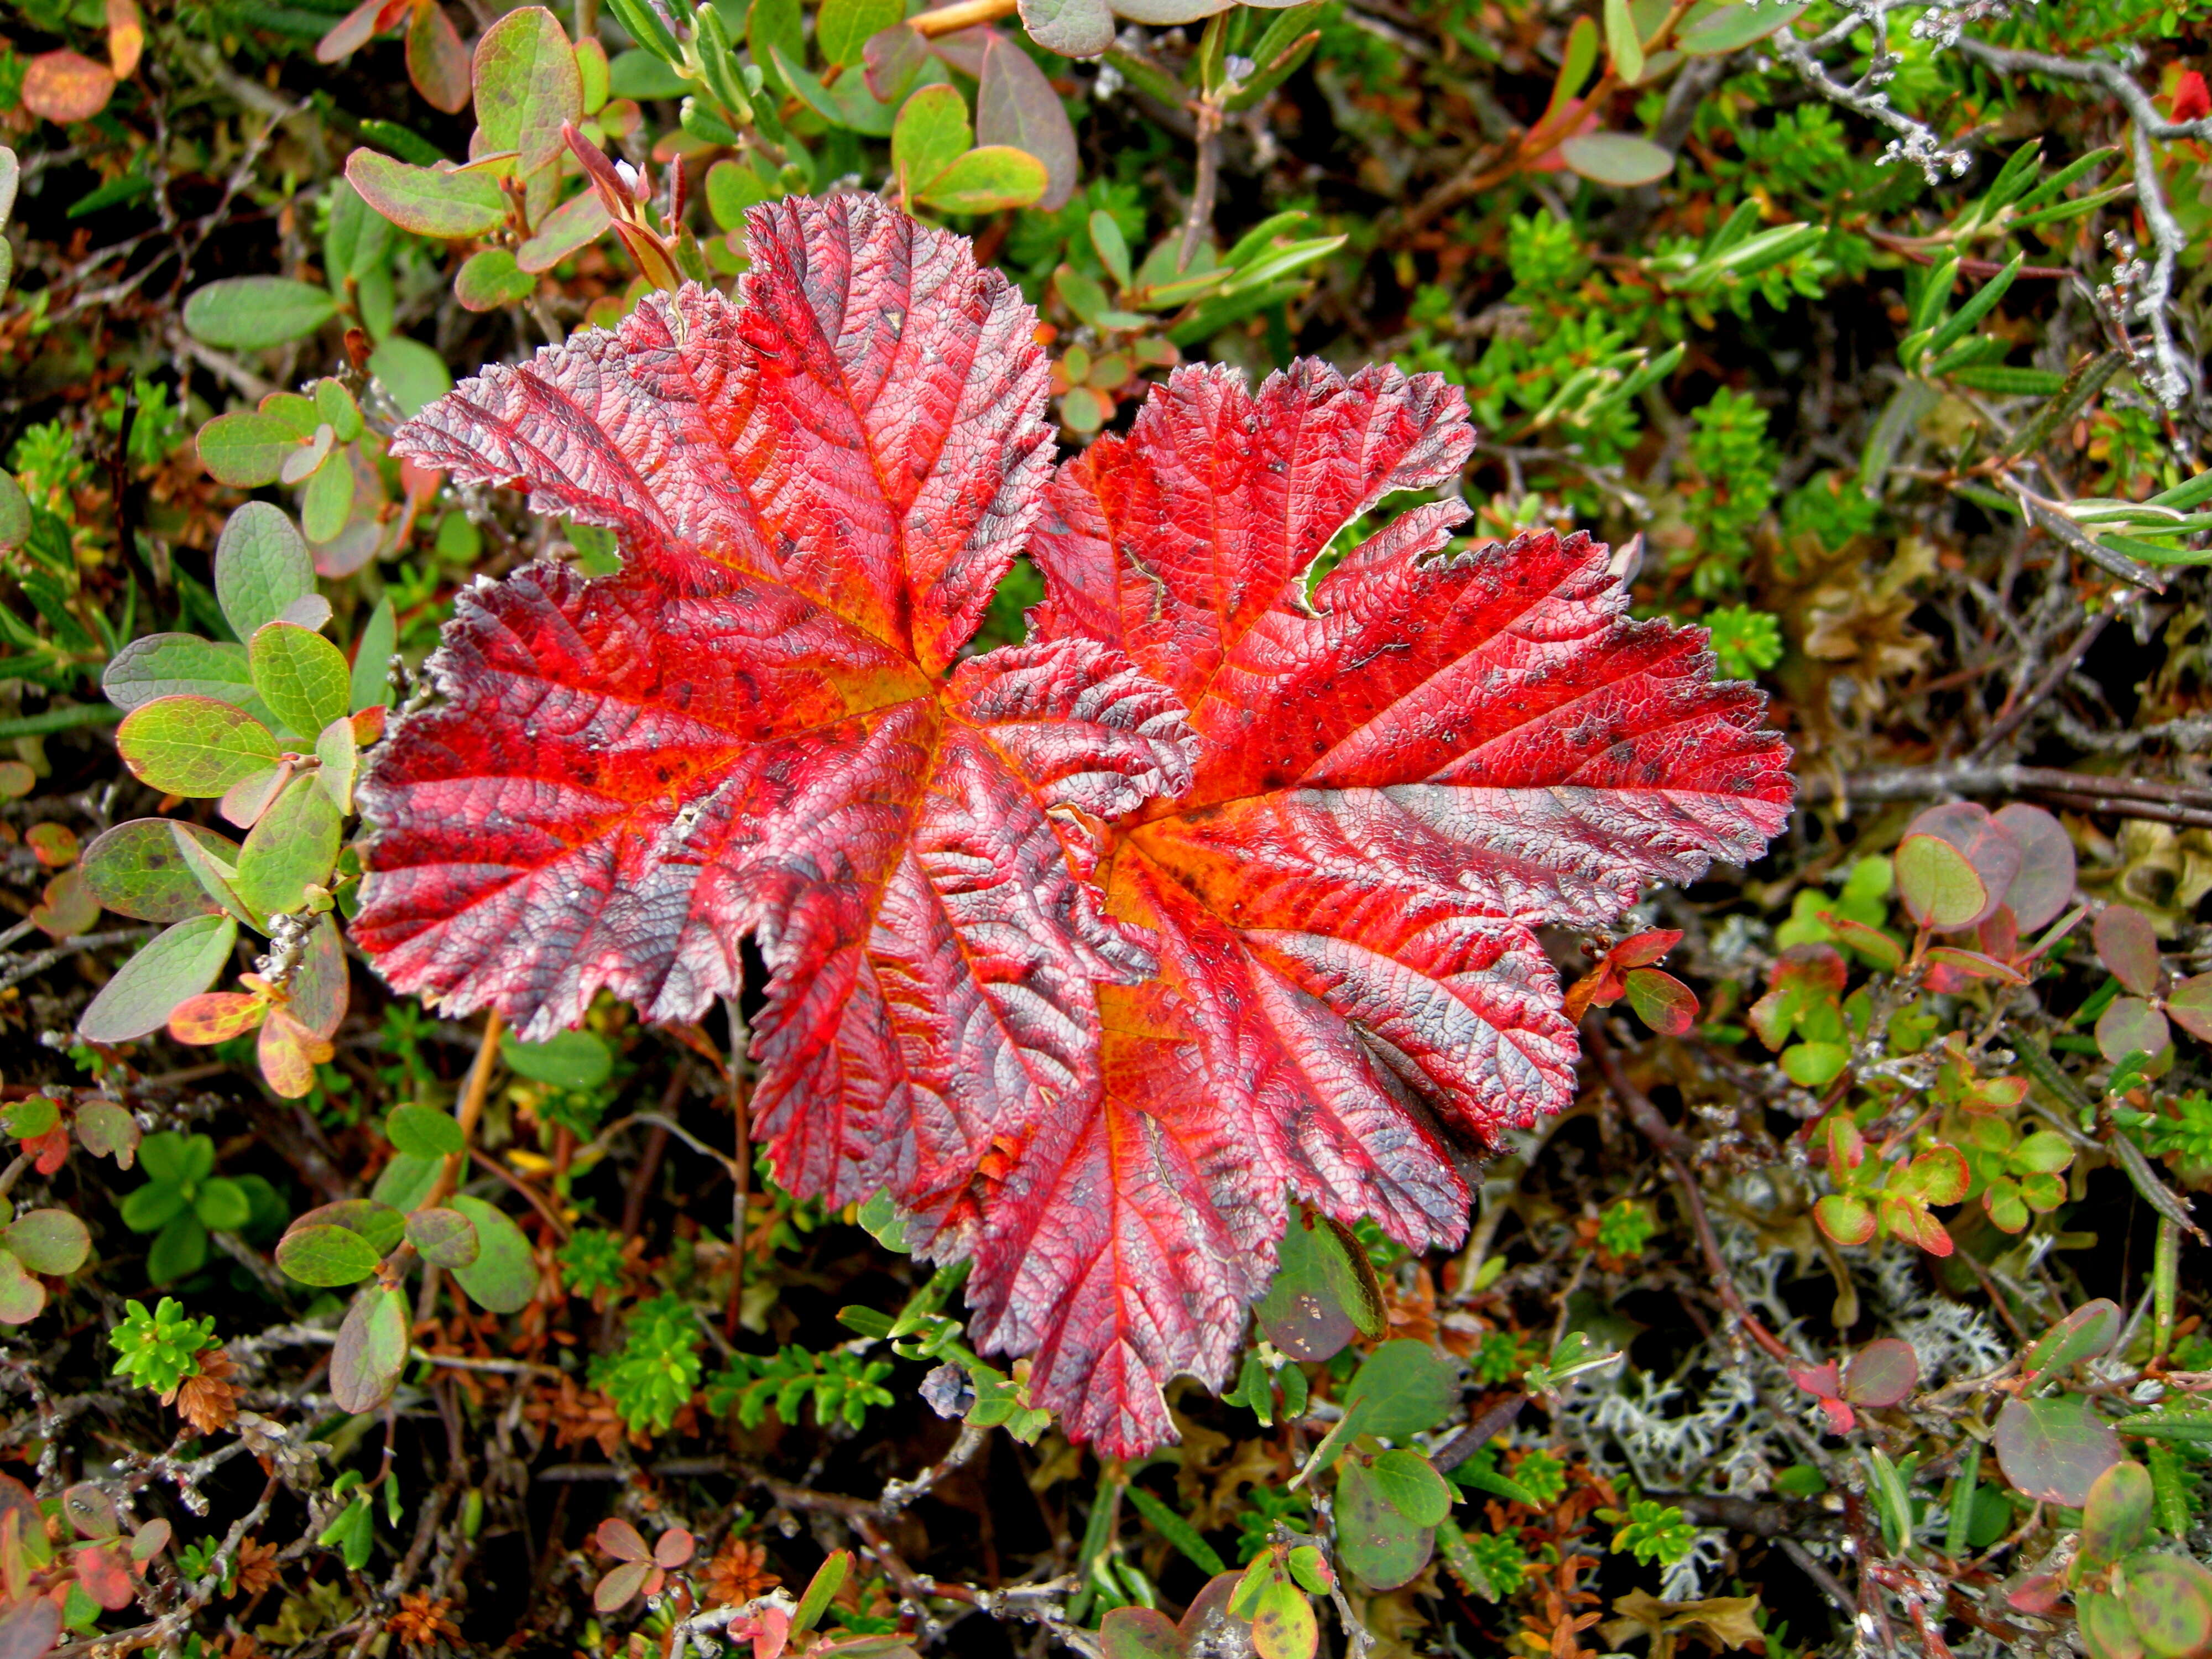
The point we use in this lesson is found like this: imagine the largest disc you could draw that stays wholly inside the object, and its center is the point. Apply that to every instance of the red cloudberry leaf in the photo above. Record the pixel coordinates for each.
(1090, 1011)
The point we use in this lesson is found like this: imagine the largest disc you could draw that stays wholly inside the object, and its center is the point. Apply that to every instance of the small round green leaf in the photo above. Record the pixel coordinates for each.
(446, 1238)
(222, 1206)
(302, 676)
(371, 1351)
(379, 1222)
(1403, 1387)
(427, 201)
(2118, 1514)
(243, 313)
(21, 1297)
(178, 666)
(1323, 1293)
(2054, 1449)
(193, 746)
(135, 869)
(48, 1241)
(260, 567)
(988, 179)
(491, 279)
(322, 1255)
(1380, 1546)
(422, 1132)
(1617, 159)
(1409, 1483)
(567, 1059)
(504, 1276)
(2091, 1329)
(1939, 887)
(2131, 1026)
(295, 842)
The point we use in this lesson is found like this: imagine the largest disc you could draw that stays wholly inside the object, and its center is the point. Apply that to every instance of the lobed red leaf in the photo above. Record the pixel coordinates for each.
(1095, 950)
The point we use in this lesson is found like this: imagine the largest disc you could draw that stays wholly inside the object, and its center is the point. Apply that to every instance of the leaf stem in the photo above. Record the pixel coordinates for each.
(470, 1108)
(964, 14)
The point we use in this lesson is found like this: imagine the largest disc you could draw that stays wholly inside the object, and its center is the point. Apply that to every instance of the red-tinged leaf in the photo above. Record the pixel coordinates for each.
(2128, 944)
(673, 1548)
(2054, 1449)
(1662, 1001)
(1485, 740)
(126, 37)
(437, 61)
(1644, 950)
(357, 27)
(1883, 1373)
(215, 1017)
(1822, 1382)
(29, 1628)
(103, 1571)
(622, 1540)
(1015, 105)
(66, 86)
(751, 729)
(1986, 844)
(288, 1053)
(619, 1586)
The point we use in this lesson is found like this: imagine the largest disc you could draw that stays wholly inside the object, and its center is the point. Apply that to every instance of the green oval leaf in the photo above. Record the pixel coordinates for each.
(446, 1237)
(407, 1180)
(2118, 1514)
(986, 179)
(422, 1132)
(193, 746)
(135, 870)
(842, 28)
(180, 665)
(490, 279)
(931, 134)
(414, 374)
(427, 201)
(1617, 159)
(380, 1224)
(504, 1276)
(371, 1351)
(1409, 1483)
(1403, 1387)
(48, 1242)
(567, 1059)
(246, 449)
(2091, 1329)
(261, 567)
(179, 964)
(302, 676)
(22, 1298)
(326, 1255)
(1324, 1291)
(1940, 888)
(2054, 1449)
(296, 843)
(527, 85)
(221, 1206)
(243, 314)
(1379, 1545)
(1731, 27)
